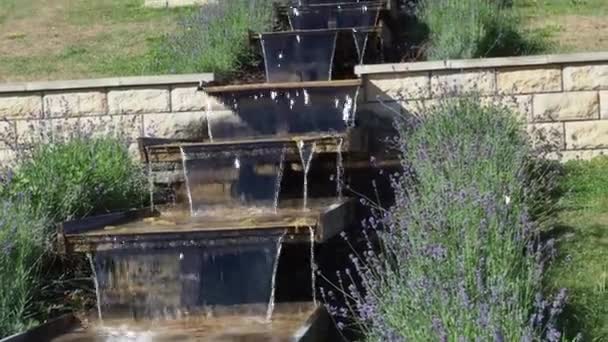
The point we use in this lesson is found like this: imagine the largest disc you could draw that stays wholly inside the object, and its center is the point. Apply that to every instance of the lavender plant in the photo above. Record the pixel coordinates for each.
(22, 242)
(460, 256)
(214, 39)
(475, 28)
(78, 177)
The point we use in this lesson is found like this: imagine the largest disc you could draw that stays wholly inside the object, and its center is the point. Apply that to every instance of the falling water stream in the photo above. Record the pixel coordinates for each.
(96, 284)
(307, 152)
(277, 187)
(187, 180)
(151, 186)
(313, 265)
(271, 302)
(208, 112)
(339, 168)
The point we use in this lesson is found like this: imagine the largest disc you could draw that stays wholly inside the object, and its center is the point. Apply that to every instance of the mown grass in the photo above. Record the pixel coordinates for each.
(67, 39)
(560, 7)
(570, 25)
(582, 264)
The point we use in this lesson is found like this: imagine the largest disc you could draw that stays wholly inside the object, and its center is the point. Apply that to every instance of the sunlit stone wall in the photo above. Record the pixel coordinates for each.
(175, 3)
(564, 94)
(127, 108)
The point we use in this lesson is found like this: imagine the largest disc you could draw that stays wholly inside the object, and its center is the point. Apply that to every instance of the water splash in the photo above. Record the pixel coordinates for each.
(313, 265)
(307, 151)
(96, 284)
(339, 168)
(271, 302)
(187, 179)
(277, 187)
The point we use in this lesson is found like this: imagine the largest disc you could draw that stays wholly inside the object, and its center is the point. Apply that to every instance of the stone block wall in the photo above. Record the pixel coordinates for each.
(567, 94)
(175, 3)
(128, 108)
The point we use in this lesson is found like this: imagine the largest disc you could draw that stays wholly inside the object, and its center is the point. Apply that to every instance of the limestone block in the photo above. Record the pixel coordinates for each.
(31, 132)
(453, 83)
(178, 3)
(186, 125)
(520, 105)
(7, 134)
(398, 87)
(586, 77)
(123, 127)
(21, 107)
(187, 99)
(7, 159)
(582, 154)
(75, 104)
(529, 80)
(155, 3)
(135, 101)
(604, 104)
(549, 135)
(566, 106)
(587, 134)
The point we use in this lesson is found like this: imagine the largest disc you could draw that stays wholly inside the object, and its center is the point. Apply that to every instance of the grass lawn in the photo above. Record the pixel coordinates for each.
(66, 39)
(582, 263)
(572, 25)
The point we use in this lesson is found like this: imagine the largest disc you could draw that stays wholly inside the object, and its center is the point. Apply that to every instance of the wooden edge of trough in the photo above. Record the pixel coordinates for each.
(354, 141)
(314, 329)
(82, 237)
(46, 331)
(283, 85)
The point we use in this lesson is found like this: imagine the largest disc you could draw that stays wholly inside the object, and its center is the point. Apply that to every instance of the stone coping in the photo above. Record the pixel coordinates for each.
(137, 81)
(480, 63)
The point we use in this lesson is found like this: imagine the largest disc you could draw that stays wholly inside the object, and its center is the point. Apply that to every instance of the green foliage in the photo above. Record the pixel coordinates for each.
(22, 242)
(475, 28)
(587, 183)
(215, 39)
(79, 178)
(583, 234)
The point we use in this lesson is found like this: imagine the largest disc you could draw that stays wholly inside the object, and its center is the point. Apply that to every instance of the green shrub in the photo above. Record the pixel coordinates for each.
(79, 178)
(475, 28)
(215, 39)
(22, 243)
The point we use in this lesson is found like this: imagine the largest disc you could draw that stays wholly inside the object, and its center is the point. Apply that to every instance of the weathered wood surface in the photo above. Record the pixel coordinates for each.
(132, 228)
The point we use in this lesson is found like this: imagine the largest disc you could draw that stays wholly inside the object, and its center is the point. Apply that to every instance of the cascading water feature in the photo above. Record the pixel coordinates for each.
(207, 265)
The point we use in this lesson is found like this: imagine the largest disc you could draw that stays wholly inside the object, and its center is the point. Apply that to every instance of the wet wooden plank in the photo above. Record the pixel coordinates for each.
(283, 85)
(353, 141)
(95, 234)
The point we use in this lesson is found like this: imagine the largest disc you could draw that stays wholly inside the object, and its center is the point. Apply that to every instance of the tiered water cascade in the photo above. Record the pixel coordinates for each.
(203, 265)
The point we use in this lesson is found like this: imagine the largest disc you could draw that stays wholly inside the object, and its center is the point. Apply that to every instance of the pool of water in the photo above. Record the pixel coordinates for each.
(232, 325)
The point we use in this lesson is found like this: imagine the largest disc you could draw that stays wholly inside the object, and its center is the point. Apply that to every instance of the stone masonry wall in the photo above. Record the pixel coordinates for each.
(132, 107)
(174, 3)
(564, 94)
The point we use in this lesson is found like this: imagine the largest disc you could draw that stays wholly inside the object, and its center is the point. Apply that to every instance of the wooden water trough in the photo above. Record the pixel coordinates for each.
(156, 228)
